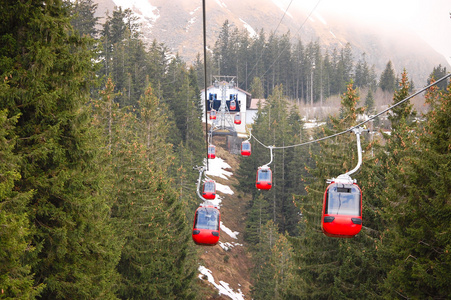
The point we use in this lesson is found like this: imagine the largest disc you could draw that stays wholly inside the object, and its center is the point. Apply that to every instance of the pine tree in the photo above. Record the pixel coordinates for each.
(76, 249)
(83, 17)
(326, 267)
(417, 207)
(437, 73)
(387, 80)
(369, 101)
(16, 280)
(147, 210)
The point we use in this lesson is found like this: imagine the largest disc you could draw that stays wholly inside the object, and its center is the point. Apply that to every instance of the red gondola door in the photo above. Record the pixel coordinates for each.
(245, 148)
(211, 151)
(342, 210)
(264, 178)
(209, 189)
(207, 220)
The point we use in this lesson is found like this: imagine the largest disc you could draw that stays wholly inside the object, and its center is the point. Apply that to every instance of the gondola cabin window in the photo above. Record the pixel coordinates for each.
(342, 210)
(206, 226)
(207, 218)
(343, 201)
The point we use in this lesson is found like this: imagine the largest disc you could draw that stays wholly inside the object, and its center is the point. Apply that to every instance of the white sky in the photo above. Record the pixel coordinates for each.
(429, 18)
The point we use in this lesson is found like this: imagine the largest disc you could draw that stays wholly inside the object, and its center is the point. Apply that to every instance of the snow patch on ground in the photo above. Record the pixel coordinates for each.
(216, 168)
(320, 18)
(249, 28)
(223, 287)
(225, 189)
(216, 201)
(313, 124)
(282, 7)
(142, 9)
(190, 22)
(194, 11)
(221, 4)
(227, 246)
(231, 233)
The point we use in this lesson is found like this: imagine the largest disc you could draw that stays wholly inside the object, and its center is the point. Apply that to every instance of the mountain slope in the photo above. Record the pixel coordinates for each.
(178, 24)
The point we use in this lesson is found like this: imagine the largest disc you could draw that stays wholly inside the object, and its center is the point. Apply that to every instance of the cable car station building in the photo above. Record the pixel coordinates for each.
(227, 106)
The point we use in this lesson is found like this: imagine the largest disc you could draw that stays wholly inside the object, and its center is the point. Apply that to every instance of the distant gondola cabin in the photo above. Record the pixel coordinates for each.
(213, 114)
(246, 148)
(211, 151)
(342, 210)
(264, 178)
(237, 119)
(209, 189)
(232, 105)
(206, 225)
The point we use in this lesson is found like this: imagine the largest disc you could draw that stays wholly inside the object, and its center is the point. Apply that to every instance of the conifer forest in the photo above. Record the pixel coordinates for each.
(100, 130)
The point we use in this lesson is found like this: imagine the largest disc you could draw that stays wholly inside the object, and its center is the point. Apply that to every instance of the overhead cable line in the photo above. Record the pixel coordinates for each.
(261, 53)
(205, 73)
(360, 124)
(280, 52)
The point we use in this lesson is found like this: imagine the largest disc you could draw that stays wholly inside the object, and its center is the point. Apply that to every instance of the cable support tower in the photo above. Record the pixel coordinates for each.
(224, 120)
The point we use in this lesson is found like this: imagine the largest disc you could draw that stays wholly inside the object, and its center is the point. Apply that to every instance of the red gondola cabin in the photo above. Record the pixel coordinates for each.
(209, 189)
(232, 105)
(264, 178)
(342, 210)
(237, 119)
(213, 114)
(206, 225)
(245, 148)
(211, 151)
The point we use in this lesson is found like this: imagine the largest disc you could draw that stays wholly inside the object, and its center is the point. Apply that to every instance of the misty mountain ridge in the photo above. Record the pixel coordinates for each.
(178, 24)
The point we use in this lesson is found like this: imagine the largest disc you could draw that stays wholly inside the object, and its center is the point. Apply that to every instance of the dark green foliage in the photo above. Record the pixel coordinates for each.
(76, 249)
(83, 17)
(273, 271)
(332, 268)
(147, 211)
(369, 101)
(417, 208)
(388, 81)
(275, 125)
(16, 280)
(303, 70)
(437, 73)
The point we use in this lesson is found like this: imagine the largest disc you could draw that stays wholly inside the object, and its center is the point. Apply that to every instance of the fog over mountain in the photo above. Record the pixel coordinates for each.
(380, 31)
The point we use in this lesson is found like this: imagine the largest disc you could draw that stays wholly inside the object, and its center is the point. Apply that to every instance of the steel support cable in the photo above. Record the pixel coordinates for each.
(205, 72)
(362, 123)
(302, 25)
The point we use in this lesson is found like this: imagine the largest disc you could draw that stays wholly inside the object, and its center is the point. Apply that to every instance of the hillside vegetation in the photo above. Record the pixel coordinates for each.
(98, 137)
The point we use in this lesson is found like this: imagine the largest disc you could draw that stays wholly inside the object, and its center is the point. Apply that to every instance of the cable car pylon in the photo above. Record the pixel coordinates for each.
(342, 206)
